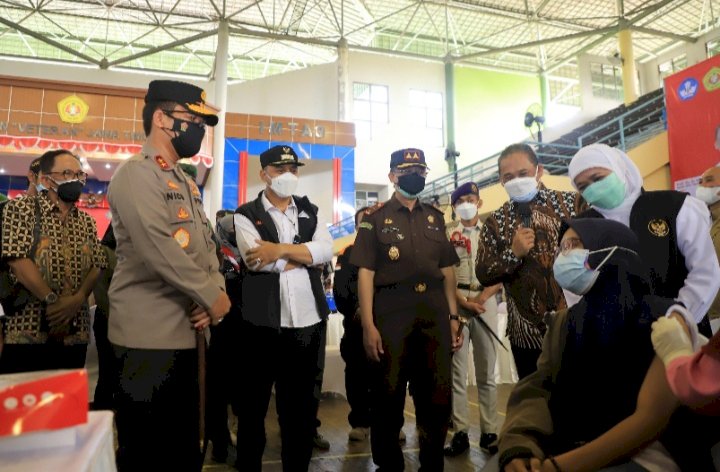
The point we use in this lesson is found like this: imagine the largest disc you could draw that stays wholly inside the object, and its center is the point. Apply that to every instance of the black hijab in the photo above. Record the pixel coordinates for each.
(608, 348)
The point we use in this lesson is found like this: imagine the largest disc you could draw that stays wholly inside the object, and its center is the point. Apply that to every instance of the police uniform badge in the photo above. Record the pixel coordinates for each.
(182, 213)
(431, 219)
(182, 237)
(388, 221)
(659, 228)
(194, 189)
(394, 253)
(172, 185)
(162, 163)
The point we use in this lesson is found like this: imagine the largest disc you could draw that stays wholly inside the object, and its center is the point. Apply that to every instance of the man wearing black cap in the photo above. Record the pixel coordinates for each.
(166, 285)
(479, 306)
(284, 313)
(408, 309)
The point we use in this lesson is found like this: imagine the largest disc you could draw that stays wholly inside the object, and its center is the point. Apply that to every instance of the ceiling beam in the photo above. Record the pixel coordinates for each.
(664, 34)
(164, 47)
(45, 39)
(531, 44)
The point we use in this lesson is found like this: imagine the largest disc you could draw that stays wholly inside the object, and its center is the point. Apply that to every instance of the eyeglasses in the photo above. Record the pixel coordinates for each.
(422, 171)
(189, 117)
(70, 175)
(567, 245)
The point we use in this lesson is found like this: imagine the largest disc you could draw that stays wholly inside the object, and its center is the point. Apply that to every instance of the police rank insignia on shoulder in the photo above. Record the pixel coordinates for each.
(182, 213)
(182, 237)
(162, 163)
(394, 253)
(172, 185)
(365, 225)
(658, 228)
(374, 208)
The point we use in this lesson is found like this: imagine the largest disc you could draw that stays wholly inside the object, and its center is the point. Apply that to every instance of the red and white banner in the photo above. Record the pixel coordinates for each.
(692, 98)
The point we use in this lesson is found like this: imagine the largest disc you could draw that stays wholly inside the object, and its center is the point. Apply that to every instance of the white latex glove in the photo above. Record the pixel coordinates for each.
(670, 340)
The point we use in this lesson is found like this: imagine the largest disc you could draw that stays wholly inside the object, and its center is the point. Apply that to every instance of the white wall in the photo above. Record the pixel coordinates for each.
(372, 158)
(695, 52)
(306, 93)
(592, 106)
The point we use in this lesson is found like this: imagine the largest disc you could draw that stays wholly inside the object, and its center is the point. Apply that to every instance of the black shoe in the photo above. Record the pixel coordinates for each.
(488, 443)
(320, 442)
(459, 444)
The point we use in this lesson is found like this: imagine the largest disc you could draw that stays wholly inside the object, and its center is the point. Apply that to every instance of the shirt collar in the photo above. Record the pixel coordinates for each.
(267, 205)
(47, 206)
(395, 204)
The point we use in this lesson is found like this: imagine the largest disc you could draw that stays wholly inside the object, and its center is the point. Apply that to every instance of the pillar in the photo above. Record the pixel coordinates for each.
(629, 72)
(344, 90)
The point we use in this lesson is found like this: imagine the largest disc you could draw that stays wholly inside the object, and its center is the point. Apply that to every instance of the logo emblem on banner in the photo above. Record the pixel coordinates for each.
(72, 109)
(711, 81)
(688, 89)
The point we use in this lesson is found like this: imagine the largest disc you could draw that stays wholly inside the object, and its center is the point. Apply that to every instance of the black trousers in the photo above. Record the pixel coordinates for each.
(222, 380)
(289, 359)
(417, 349)
(357, 374)
(49, 356)
(107, 373)
(157, 405)
(525, 360)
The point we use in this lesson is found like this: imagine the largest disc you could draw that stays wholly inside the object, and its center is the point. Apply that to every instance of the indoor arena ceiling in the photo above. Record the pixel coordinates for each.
(272, 36)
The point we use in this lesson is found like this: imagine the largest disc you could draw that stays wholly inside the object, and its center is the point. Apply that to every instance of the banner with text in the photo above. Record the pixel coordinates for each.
(692, 98)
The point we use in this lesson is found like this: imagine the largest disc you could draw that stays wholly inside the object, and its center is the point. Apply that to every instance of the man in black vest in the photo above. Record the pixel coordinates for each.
(284, 313)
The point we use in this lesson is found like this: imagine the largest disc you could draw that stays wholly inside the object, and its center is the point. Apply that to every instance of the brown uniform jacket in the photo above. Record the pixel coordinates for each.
(166, 256)
(715, 235)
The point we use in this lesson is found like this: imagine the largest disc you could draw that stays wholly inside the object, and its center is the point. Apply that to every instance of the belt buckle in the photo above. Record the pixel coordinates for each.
(474, 287)
(420, 287)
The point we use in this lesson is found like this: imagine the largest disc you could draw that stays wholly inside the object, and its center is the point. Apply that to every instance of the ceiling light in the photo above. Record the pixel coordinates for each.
(108, 166)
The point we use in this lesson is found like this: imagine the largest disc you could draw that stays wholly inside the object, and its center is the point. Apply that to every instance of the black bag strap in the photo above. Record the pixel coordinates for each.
(36, 230)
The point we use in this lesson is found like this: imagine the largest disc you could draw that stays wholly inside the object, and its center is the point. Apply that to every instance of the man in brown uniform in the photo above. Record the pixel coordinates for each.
(166, 283)
(406, 286)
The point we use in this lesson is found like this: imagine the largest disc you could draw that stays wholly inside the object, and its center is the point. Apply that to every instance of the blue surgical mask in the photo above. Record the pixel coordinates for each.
(607, 193)
(573, 274)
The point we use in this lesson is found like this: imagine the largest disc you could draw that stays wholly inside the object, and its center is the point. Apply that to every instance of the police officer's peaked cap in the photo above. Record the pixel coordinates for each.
(188, 95)
(469, 188)
(279, 156)
(407, 158)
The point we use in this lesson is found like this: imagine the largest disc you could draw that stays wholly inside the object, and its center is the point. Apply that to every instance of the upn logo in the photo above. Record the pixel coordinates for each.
(688, 89)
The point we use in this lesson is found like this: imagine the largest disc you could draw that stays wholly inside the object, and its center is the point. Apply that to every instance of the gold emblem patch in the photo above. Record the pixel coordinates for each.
(182, 213)
(388, 221)
(421, 287)
(172, 185)
(194, 189)
(394, 253)
(182, 237)
(474, 188)
(658, 228)
(431, 219)
(162, 163)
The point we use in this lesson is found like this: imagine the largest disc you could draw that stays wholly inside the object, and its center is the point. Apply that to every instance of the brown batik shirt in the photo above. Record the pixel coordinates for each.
(529, 283)
(65, 254)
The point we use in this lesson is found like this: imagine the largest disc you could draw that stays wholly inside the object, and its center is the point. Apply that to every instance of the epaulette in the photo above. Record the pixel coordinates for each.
(374, 208)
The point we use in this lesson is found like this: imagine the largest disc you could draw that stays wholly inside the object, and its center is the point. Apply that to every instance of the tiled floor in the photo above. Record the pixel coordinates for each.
(345, 456)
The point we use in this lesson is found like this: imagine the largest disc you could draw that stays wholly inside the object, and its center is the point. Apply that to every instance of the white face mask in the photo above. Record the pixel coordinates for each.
(284, 185)
(466, 211)
(522, 189)
(708, 194)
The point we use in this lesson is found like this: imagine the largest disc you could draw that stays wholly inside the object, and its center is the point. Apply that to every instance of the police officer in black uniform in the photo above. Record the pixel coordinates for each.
(406, 286)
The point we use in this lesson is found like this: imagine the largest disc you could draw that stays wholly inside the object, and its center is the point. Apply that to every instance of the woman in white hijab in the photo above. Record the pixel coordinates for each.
(612, 185)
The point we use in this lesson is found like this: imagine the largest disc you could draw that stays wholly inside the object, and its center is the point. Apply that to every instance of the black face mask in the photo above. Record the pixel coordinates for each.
(70, 191)
(411, 184)
(188, 138)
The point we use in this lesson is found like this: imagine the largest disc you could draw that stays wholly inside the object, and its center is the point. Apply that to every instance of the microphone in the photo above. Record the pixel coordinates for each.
(525, 214)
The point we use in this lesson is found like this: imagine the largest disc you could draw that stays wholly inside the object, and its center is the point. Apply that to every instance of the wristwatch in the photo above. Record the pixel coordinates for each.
(50, 298)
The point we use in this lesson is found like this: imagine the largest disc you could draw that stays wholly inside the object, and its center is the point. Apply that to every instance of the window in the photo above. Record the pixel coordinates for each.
(713, 47)
(370, 109)
(365, 198)
(675, 64)
(606, 81)
(426, 117)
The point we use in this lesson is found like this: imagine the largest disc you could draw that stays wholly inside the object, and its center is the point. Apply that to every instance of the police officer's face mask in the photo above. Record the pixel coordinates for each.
(188, 136)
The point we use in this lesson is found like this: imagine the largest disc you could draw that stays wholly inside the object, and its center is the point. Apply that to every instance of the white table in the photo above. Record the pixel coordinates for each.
(93, 452)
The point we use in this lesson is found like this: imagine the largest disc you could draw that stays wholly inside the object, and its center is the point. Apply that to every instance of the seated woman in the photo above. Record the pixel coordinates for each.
(693, 377)
(599, 396)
